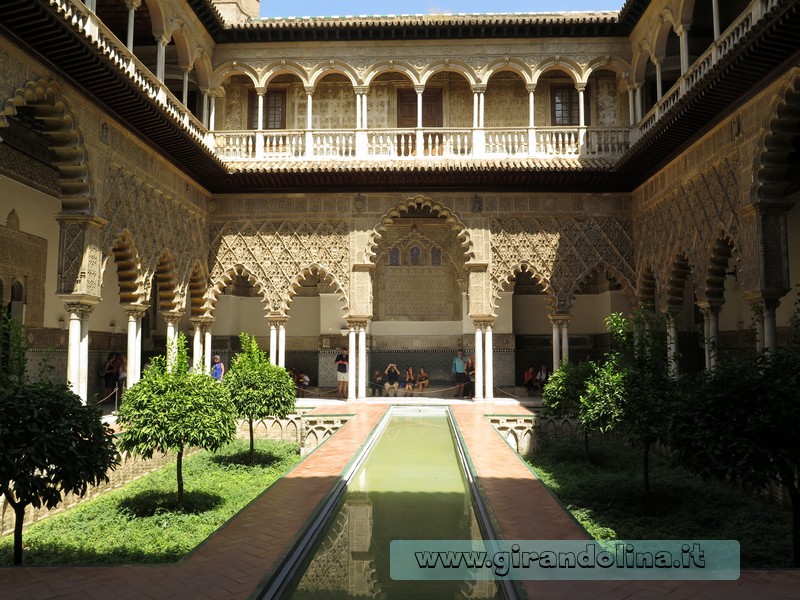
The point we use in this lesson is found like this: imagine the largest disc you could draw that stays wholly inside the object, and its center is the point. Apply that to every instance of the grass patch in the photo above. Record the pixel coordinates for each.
(607, 497)
(140, 523)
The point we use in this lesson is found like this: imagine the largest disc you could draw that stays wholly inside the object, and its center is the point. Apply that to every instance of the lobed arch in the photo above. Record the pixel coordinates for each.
(515, 65)
(647, 287)
(129, 269)
(686, 10)
(608, 268)
(557, 63)
(398, 66)
(335, 66)
(216, 287)
(776, 149)
(453, 66)
(168, 287)
(678, 274)
(639, 62)
(539, 277)
(419, 201)
(723, 250)
(283, 67)
(43, 100)
(198, 288)
(224, 72)
(317, 270)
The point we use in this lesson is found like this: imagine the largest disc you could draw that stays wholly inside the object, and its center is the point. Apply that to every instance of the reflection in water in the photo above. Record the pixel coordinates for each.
(410, 487)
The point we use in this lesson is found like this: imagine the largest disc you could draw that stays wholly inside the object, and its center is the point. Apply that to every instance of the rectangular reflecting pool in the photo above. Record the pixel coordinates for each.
(411, 486)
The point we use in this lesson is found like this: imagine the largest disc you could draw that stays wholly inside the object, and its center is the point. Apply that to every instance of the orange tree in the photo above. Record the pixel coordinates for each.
(258, 388)
(50, 442)
(173, 409)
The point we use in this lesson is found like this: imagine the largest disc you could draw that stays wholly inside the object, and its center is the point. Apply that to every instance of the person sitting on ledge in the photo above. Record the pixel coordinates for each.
(392, 377)
(410, 380)
(423, 380)
(376, 383)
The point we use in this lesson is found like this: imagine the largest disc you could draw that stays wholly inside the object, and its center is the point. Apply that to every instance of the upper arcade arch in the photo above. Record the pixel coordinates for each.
(391, 66)
(224, 72)
(283, 67)
(557, 63)
(449, 65)
(338, 67)
(611, 63)
(514, 65)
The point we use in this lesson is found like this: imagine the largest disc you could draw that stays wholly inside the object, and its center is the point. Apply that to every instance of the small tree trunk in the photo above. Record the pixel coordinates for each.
(19, 519)
(180, 479)
(647, 475)
(794, 496)
(586, 446)
(252, 444)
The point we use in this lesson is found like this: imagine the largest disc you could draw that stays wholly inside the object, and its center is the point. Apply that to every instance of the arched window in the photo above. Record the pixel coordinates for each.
(394, 257)
(415, 255)
(436, 256)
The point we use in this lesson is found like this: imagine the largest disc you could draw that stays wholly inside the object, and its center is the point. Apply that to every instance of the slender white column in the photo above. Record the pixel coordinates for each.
(770, 331)
(309, 121)
(359, 108)
(531, 105)
(260, 123)
(631, 106)
(74, 351)
(207, 350)
(197, 347)
(185, 90)
(565, 341)
(683, 38)
(352, 364)
(282, 344)
(489, 358)
(172, 336)
(707, 337)
(273, 344)
(556, 345)
(419, 108)
(672, 346)
(759, 322)
(481, 109)
(161, 45)
(475, 119)
(362, 362)
(134, 345)
(204, 108)
(581, 107)
(713, 334)
(478, 362)
(659, 87)
(638, 102)
(212, 112)
(132, 6)
(83, 376)
(715, 13)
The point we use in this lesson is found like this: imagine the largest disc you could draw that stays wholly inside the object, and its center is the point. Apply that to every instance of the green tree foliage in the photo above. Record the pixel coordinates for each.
(739, 422)
(258, 388)
(50, 443)
(562, 394)
(632, 392)
(174, 409)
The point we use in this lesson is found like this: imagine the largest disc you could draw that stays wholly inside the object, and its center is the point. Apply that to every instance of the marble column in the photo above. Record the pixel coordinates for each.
(172, 319)
(479, 367)
(132, 6)
(78, 351)
(282, 343)
(565, 340)
(207, 348)
(556, 343)
(197, 345)
(362, 361)
(352, 365)
(489, 360)
(135, 314)
(273, 342)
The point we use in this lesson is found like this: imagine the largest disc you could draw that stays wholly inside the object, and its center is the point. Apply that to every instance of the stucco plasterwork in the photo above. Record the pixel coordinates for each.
(156, 224)
(278, 254)
(560, 252)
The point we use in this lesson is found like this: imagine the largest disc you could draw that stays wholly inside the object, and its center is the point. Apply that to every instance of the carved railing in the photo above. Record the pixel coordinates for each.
(85, 22)
(557, 141)
(706, 61)
(507, 142)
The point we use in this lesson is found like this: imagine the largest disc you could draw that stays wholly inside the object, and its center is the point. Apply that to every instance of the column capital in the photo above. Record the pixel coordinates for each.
(133, 4)
(173, 316)
(482, 322)
(419, 88)
(135, 310)
(277, 319)
(356, 322)
(560, 318)
(80, 304)
(261, 90)
(479, 88)
(361, 89)
(531, 87)
(580, 87)
(309, 89)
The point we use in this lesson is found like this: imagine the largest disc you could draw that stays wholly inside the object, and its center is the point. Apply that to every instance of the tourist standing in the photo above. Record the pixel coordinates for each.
(342, 362)
(459, 371)
(217, 368)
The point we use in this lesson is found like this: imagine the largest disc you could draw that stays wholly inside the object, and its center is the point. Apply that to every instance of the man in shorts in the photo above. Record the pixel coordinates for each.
(341, 374)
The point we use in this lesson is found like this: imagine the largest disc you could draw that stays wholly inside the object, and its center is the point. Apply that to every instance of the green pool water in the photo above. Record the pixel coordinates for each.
(410, 487)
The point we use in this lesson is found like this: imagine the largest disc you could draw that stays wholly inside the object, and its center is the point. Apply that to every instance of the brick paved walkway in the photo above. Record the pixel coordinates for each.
(237, 559)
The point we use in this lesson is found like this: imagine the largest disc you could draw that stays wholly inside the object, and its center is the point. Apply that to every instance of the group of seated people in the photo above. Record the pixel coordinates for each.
(534, 381)
(301, 382)
(389, 380)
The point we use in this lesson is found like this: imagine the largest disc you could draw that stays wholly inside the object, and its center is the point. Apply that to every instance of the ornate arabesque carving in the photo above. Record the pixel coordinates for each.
(278, 254)
(690, 219)
(155, 223)
(560, 252)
